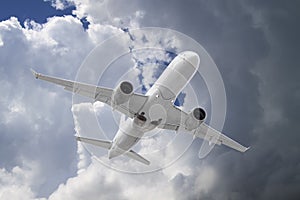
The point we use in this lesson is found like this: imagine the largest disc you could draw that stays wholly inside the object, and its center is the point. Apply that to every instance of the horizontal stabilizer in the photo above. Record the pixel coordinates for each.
(133, 155)
(107, 145)
(101, 143)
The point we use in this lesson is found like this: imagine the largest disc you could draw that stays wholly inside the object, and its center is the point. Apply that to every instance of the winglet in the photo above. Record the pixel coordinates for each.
(247, 149)
(35, 74)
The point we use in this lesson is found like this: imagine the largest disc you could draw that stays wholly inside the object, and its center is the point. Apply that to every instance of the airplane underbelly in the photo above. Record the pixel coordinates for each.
(128, 135)
(125, 142)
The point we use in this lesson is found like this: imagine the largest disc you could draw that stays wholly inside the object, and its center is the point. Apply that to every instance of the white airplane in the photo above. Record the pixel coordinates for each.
(156, 109)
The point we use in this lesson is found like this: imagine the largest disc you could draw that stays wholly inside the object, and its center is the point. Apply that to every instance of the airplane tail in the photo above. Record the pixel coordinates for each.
(107, 145)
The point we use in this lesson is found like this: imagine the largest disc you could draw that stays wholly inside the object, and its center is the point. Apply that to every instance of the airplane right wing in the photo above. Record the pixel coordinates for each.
(176, 120)
(206, 132)
(97, 93)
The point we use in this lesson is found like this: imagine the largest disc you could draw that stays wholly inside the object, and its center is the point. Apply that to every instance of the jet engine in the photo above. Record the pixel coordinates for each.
(195, 118)
(122, 93)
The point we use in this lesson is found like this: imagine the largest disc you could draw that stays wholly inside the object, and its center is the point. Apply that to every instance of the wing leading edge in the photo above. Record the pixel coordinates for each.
(97, 93)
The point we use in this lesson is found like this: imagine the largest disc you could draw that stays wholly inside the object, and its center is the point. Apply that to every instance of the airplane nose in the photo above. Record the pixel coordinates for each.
(192, 58)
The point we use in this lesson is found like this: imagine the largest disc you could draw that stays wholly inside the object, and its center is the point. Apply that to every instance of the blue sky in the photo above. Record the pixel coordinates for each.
(255, 45)
(35, 10)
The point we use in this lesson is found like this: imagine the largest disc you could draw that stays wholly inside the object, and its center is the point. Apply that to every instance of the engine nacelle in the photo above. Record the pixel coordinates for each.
(122, 93)
(195, 118)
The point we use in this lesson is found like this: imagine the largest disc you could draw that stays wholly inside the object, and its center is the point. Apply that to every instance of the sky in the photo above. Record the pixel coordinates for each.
(255, 45)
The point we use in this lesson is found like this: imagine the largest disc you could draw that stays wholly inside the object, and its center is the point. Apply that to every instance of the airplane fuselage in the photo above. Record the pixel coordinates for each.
(160, 99)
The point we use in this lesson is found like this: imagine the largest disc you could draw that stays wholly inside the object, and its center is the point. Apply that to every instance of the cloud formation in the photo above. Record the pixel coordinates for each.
(254, 44)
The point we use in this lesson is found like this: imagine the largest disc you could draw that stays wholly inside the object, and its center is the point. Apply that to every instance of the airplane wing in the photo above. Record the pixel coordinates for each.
(176, 118)
(206, 132)
(97, 93)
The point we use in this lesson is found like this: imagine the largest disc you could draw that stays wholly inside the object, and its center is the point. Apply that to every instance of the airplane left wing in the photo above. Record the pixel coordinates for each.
(97, 93)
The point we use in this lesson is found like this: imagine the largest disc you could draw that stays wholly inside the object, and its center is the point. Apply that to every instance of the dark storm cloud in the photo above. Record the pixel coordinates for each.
(280, 99)
(255, 45)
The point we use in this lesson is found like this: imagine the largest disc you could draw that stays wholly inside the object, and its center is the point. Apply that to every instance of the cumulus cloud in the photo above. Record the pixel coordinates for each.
(250, 42)
(92, 184)
(60, 4)
(36, 121)
(21, 181)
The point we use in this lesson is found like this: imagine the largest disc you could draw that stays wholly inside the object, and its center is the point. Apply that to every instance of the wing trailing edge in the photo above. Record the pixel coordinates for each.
(215, 137)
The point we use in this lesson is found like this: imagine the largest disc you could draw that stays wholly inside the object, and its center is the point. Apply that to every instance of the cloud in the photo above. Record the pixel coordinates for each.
(35, 117)
(253, 43)
(30, 129)
(198, 184)
(18, 183)
(60, 4)
(92, 184)
(110, 184)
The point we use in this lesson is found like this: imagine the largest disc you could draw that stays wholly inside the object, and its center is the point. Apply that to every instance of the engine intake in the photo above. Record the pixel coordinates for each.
(122, 93)
(195, 118)
(199, 114)
(126, 87)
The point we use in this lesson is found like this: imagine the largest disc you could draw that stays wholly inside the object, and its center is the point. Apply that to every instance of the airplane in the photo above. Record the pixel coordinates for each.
(139, 108)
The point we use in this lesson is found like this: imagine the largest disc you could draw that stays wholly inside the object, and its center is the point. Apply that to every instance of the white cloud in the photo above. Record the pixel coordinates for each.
(95, 11)
(35, 118)
(98, 32)
(93, 183)
(60, 4)
(115, 13)
(98, 181)
(38, 117)
(1, 42)
(18, 183)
